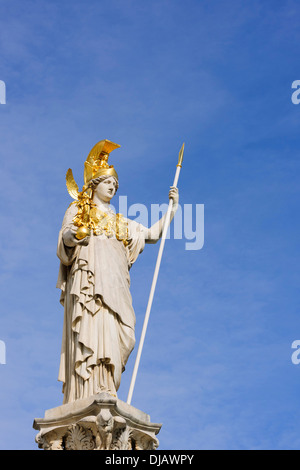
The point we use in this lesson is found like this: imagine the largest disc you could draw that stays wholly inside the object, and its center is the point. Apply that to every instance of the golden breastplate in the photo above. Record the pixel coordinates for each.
(109, 224)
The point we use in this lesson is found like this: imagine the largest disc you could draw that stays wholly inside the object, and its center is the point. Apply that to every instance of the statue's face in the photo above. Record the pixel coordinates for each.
(106, 189)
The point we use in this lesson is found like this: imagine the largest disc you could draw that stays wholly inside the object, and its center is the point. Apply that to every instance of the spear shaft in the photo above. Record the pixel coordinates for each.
(154, 281)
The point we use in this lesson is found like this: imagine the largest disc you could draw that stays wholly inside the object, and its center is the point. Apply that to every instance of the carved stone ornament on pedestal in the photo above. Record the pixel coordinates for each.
(100, 422)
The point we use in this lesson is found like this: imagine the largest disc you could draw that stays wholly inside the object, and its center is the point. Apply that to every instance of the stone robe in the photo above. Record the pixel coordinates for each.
(99, 320)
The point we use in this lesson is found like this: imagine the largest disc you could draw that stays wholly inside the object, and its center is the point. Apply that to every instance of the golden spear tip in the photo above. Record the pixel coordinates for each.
(180, 157)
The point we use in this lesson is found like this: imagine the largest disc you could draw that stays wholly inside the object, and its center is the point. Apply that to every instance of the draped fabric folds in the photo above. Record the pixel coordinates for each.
(99, 320)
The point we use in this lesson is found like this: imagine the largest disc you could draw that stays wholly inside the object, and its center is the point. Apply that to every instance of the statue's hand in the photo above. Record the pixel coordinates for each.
(70, 240)
(84, 241)
(173, 194)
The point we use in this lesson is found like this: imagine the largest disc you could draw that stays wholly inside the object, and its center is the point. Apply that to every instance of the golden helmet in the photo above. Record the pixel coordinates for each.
(96, 163)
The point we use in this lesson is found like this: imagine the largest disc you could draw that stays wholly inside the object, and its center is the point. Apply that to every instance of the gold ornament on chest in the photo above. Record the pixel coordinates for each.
(111, 225)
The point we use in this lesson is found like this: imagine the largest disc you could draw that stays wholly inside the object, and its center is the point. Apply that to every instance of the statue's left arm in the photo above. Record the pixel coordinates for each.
(154, 233)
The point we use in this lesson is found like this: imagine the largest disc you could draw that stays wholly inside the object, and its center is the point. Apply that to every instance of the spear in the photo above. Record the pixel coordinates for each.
(152, 290)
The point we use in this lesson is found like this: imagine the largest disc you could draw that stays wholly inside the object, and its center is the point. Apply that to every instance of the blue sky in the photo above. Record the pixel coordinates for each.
(216, 368)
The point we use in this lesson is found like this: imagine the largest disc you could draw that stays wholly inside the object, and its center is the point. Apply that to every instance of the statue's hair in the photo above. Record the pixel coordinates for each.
(94, 183)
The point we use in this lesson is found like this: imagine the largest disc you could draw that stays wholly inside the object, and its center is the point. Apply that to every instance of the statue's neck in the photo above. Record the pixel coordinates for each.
(102, 205)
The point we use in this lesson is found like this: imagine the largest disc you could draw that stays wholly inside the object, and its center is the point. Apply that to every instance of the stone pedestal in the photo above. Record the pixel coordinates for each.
(100, 422)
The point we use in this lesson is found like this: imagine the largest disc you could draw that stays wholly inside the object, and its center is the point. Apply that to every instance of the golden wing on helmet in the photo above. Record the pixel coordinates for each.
(72, 185)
